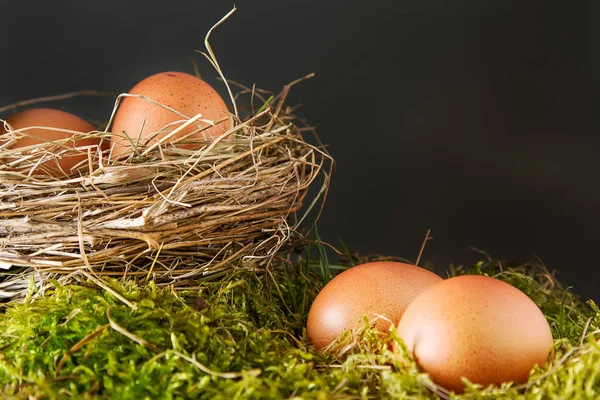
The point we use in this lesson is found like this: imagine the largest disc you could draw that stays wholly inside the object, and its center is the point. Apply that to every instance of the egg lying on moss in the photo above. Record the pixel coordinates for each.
(43, 118)
(381, 291)
(476, 327)
(139, 121)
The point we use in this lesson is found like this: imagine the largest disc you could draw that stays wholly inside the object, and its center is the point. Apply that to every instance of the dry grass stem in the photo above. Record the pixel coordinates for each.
(130, 335)
(79, 345)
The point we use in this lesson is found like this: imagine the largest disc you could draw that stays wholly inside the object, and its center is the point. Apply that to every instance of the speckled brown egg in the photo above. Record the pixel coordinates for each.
(51, 118)
(137, 120)
(373, 289)
(476, 327)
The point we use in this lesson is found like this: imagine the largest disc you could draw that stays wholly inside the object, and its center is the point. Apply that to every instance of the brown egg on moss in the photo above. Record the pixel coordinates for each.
(142, 122)
(476, 327)
(51, 118)
(381, 291)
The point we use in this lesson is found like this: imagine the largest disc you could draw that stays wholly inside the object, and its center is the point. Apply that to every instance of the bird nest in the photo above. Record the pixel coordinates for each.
(167, 213)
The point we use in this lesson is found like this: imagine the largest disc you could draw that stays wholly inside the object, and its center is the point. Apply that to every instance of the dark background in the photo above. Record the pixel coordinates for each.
(472, 119)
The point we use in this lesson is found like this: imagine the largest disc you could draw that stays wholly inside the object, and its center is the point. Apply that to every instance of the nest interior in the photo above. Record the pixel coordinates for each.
(166, 212)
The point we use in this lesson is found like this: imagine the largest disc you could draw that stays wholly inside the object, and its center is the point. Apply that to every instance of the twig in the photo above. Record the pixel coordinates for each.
(79, 345)
(100, 283)
(423, 246)
(130, 335)
(227, 375)
(65, 96)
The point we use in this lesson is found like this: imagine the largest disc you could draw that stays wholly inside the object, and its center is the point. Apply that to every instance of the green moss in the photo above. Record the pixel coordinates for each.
(244, 337)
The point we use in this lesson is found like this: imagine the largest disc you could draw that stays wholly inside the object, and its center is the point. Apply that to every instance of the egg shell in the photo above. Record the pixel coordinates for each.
(371, 289)
(476, 327)
(48, 117)
(140, 119)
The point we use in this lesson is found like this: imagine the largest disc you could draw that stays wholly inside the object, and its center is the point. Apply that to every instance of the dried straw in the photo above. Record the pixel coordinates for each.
(166, 213)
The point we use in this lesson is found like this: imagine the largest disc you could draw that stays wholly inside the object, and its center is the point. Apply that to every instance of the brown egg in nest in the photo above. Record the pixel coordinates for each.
(381, 291)
(137, 120)
(52, 118)
(476, 327)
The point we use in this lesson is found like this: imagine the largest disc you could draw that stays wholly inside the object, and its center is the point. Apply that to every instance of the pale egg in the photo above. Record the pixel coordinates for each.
(139, 123)
(476, 327)
(43, 118)
(379, 291)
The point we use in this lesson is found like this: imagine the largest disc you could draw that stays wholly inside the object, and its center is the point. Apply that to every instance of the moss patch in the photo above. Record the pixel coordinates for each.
(243, 337)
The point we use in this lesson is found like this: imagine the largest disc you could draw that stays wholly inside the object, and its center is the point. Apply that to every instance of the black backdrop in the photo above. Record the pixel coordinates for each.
(473, 119)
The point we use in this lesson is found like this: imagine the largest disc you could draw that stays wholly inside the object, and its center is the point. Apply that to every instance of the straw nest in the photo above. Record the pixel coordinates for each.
(166, 213)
